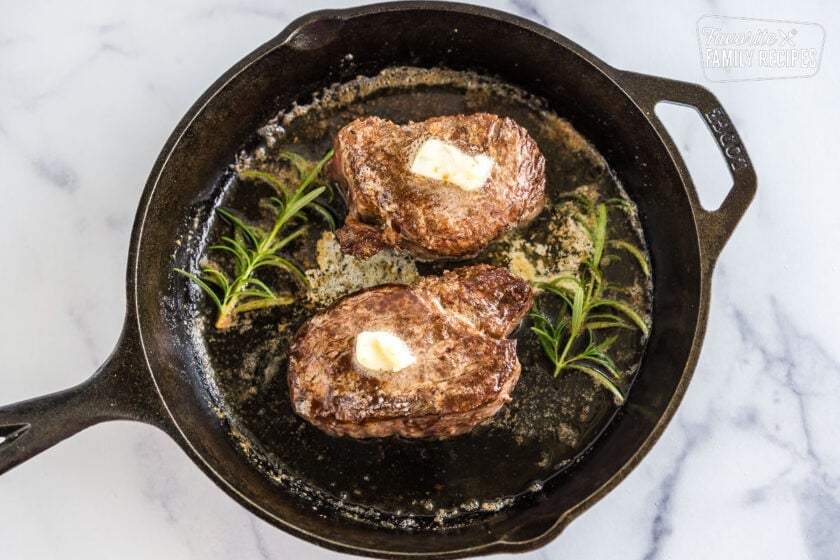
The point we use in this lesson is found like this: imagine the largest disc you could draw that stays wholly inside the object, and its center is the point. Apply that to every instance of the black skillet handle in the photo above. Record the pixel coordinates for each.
(119, 390)
(716, 226)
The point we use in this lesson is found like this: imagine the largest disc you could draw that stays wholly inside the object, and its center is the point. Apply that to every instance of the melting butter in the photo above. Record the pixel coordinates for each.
(382, 351)
(444, 162)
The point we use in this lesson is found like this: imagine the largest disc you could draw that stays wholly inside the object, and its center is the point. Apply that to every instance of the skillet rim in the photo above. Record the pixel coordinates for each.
(282, 40)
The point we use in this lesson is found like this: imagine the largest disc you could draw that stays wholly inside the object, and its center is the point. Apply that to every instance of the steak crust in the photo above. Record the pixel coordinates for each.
(431, 219)
(454, 324)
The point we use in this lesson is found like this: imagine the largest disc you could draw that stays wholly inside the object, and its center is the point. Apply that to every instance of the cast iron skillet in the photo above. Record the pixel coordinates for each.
(153, 375)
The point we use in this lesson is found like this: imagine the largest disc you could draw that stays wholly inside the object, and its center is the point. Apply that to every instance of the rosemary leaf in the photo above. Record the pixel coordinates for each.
(326, 214)
(252, 234)
(624, 308)
(599, 376)
(640, 258)
(203, 285)
(267, 178)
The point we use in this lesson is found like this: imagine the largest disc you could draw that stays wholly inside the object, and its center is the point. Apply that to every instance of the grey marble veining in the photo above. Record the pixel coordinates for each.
(748, 468)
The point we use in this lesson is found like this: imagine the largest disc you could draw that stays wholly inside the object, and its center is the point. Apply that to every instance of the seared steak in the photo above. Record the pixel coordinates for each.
(391, 206)
(454, 325)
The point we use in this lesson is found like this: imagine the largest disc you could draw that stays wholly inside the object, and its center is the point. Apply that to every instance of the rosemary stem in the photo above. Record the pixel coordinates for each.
(561, 361)
(226, 313)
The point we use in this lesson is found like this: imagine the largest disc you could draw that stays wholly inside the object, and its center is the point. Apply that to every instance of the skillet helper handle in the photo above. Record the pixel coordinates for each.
(715, 226)
(119, 390)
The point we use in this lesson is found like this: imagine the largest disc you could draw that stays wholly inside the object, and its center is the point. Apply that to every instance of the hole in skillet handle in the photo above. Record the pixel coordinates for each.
(715, 227)
(10, 433)
(698, 148)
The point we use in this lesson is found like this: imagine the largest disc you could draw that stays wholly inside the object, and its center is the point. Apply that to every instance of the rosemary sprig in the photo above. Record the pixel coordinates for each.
(254, 248)
(588, 304)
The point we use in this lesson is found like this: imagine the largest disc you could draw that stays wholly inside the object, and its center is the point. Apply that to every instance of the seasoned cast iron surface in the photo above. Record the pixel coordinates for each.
(395, 482)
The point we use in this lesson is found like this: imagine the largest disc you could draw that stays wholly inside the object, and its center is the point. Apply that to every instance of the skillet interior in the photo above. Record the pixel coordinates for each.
(395, 482)
(272, 78)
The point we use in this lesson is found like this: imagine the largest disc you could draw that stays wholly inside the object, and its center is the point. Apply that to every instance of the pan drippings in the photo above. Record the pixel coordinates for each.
(415, 485)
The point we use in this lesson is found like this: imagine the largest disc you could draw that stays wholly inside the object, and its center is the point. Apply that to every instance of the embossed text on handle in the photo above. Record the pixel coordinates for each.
(727, 138)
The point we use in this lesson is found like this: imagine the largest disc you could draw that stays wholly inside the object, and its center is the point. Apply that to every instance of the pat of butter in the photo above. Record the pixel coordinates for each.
(382, 351)
(444, 162)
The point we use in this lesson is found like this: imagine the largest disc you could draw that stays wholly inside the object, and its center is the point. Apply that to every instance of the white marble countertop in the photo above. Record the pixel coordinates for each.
(89, 91)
